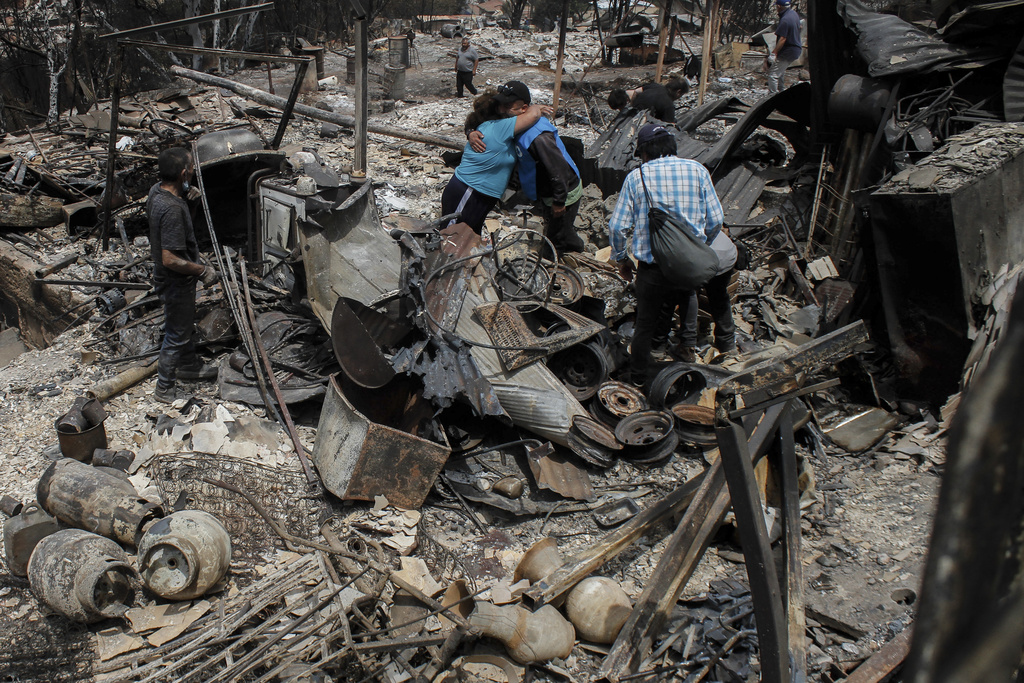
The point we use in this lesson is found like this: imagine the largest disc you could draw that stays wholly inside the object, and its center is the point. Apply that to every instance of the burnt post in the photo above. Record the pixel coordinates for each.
(561, 56)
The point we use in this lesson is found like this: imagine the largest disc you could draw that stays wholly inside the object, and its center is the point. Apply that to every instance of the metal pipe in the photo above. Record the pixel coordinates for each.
(104, 284)
(359, 151)
(178, 23)
(286, 114)
(215, 52)
(115, 110)
(282, 406)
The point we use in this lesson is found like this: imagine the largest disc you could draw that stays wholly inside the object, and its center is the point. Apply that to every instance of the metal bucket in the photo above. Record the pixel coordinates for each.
(398, 51)
(78, 438)
(396, 81)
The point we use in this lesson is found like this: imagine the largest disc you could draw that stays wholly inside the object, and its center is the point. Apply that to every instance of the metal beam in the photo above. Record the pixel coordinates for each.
(178, 23)
(286, 114)
(213, 51)
(359, 151)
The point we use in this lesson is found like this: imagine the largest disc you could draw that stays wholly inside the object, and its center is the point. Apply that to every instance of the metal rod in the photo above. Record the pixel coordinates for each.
(115, 111)
(105, 284)
(359, 151)
(282, 406)
(212, 51)
(286, 114)
(561, 57)
(178, 23)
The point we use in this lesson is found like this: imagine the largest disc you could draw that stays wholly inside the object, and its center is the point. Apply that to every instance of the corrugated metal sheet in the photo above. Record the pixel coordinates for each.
(891, 46)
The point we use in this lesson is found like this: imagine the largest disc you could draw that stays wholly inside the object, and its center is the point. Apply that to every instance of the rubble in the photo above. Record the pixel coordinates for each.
(420, 461)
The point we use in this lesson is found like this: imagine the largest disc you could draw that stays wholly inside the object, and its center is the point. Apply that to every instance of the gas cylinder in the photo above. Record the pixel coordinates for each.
(83, 576)
(184, 554)
(100, 500)
(21, 534)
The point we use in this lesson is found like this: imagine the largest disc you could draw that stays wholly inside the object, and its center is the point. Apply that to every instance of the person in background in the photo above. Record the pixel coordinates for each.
(656, 98)
(465, 67)
(787, 46)
(482, 177)
(176, 268)
(547, 175)
(681, 187)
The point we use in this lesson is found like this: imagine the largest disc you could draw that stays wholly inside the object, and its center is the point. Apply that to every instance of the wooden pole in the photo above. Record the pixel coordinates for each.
(600, 37)
(662, 40)
(705, 52)
(561, 56)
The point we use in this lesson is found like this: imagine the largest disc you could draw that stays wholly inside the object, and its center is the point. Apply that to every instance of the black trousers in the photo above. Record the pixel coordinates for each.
(178, 348)
(656, 297)
(464, 78)
(561, 230)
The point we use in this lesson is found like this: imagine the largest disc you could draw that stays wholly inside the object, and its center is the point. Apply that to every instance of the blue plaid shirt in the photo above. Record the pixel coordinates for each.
(682, 187)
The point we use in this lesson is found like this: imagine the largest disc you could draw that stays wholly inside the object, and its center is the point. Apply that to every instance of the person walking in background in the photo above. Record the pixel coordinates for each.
(176, 268)
(787, 45)
(465, 67)
(681, 187)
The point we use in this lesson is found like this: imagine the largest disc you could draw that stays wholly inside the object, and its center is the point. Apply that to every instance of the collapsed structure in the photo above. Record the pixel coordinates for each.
(463, 383)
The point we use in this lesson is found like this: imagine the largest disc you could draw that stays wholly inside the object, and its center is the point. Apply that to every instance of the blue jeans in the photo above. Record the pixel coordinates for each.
(178, 348)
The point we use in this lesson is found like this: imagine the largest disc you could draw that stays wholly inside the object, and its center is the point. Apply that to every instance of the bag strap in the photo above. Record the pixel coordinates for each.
(712, 234)
(708, 238)
(650, 202)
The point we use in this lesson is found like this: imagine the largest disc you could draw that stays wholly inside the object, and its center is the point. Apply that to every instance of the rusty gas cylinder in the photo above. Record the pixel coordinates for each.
(184, 554)
(83, 576)
(99, 500)
(21, 534)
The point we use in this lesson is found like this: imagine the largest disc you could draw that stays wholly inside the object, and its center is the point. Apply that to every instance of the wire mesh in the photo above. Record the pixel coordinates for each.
(283, 493)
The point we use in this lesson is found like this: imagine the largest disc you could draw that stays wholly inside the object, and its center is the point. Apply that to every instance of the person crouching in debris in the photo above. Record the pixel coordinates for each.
(787, 46)
(176, 268)
(547, 174)
(656, 98)
(481, 177)
(681, 187)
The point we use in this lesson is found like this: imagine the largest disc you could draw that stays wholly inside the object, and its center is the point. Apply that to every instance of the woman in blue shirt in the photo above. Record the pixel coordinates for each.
(481, 178)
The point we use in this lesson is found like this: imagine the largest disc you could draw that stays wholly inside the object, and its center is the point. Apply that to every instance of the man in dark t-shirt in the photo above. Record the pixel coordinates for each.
(787, 45)
(656, 98)
(176, 269)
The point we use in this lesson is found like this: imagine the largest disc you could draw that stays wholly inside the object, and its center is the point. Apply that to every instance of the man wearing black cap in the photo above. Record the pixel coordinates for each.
(681, 187)
(787, 45)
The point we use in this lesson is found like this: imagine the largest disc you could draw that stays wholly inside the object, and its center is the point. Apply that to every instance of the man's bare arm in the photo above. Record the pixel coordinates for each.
(172, 261)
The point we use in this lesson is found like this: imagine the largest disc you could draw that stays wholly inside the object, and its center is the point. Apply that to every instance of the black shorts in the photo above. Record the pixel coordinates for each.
(474, 206)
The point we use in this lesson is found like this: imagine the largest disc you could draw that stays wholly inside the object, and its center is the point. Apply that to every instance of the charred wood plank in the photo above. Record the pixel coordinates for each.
(558, 583)
(772, 635)
(879, 665)
(797, 624)
(680, 557)
(790, 368)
